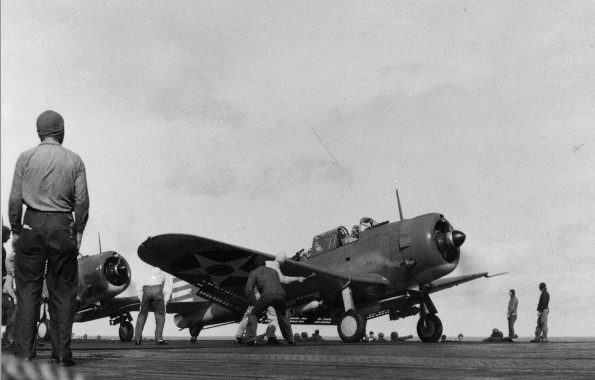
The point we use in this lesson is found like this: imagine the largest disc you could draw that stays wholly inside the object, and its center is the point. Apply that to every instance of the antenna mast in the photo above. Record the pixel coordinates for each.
(99, 237)
(399, 203)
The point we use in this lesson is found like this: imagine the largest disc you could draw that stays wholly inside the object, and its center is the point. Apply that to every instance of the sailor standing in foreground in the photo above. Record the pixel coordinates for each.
(155, 288)
(51, 181)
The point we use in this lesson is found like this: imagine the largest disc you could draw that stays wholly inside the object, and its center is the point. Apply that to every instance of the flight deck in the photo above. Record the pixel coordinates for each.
(111, 359)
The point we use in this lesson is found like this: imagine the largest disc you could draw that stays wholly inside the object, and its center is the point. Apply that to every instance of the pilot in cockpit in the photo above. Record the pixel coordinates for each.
(354, 236)
(368, 222)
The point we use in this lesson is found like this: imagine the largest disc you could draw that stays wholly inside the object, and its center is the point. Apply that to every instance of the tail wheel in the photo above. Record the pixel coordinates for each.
(126, 331)
(43, 330)
(429, 329)
(352, 327)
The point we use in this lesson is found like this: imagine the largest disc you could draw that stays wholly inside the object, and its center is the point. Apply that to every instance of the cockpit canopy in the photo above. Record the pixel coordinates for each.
(329, 240)
(337, 237)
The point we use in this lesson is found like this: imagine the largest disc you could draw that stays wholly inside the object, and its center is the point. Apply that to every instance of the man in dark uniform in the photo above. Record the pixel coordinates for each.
(542, 313)
(51, 182)
(268, 283)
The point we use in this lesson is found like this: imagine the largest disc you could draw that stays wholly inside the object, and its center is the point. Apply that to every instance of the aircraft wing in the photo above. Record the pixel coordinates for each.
(445, 283)
(324, 283)
(110, 308)
(220, 270)
(329, 280)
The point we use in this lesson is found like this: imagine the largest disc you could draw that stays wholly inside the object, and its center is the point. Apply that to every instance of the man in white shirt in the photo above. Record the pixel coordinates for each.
(154, 288)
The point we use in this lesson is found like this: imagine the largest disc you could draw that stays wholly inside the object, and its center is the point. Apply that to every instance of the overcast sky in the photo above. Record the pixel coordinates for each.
(263, 123)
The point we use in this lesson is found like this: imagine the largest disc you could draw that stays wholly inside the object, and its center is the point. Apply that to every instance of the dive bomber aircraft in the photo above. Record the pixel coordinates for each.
(390, 268)
(101, 278)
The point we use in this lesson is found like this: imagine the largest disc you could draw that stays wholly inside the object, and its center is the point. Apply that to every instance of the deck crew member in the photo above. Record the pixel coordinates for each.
(273, 325)
(316, 336)
(267, 281)
(271, 314)
(542, 314)
(51, 182)
(513, 305)
(154, 288)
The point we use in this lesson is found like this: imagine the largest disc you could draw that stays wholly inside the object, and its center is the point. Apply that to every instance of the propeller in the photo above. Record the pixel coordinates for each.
(116, 270)
(456, 238)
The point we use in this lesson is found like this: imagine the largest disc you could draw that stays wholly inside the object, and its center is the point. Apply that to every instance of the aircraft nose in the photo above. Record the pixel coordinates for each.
(122, 270)
(458, 238)
(117, 271)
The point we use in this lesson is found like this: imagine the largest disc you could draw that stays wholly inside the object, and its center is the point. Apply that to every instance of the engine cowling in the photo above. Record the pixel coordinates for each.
(431, 244)
(102, 277)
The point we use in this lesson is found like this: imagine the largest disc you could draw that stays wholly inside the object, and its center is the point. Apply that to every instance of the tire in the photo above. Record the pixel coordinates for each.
(43, 330)
(352, 327)
(431, 331)
(126, 331)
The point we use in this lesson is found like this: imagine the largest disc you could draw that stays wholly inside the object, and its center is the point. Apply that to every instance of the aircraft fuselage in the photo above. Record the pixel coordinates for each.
(407, 253)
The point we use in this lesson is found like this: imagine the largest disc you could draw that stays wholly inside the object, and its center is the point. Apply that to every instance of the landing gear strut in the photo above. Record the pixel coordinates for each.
(352, 326)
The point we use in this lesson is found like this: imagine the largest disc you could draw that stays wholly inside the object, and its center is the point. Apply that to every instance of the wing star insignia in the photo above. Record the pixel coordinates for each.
(219, 271)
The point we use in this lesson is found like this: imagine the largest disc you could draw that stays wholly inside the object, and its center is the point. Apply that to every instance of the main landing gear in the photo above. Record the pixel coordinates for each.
(126, 330)
(43, 329)
(429, 326)
(352, 326)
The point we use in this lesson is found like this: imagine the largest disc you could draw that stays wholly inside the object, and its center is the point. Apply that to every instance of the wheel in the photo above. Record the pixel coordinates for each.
(126, 331)
(352, 327)
(43, 330)
(431, 330)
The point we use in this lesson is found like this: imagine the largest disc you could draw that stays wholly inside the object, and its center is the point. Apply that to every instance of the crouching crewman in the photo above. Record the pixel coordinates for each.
(267, 281)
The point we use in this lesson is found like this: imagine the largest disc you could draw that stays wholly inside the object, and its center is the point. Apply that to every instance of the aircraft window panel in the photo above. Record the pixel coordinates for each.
(327, 241)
